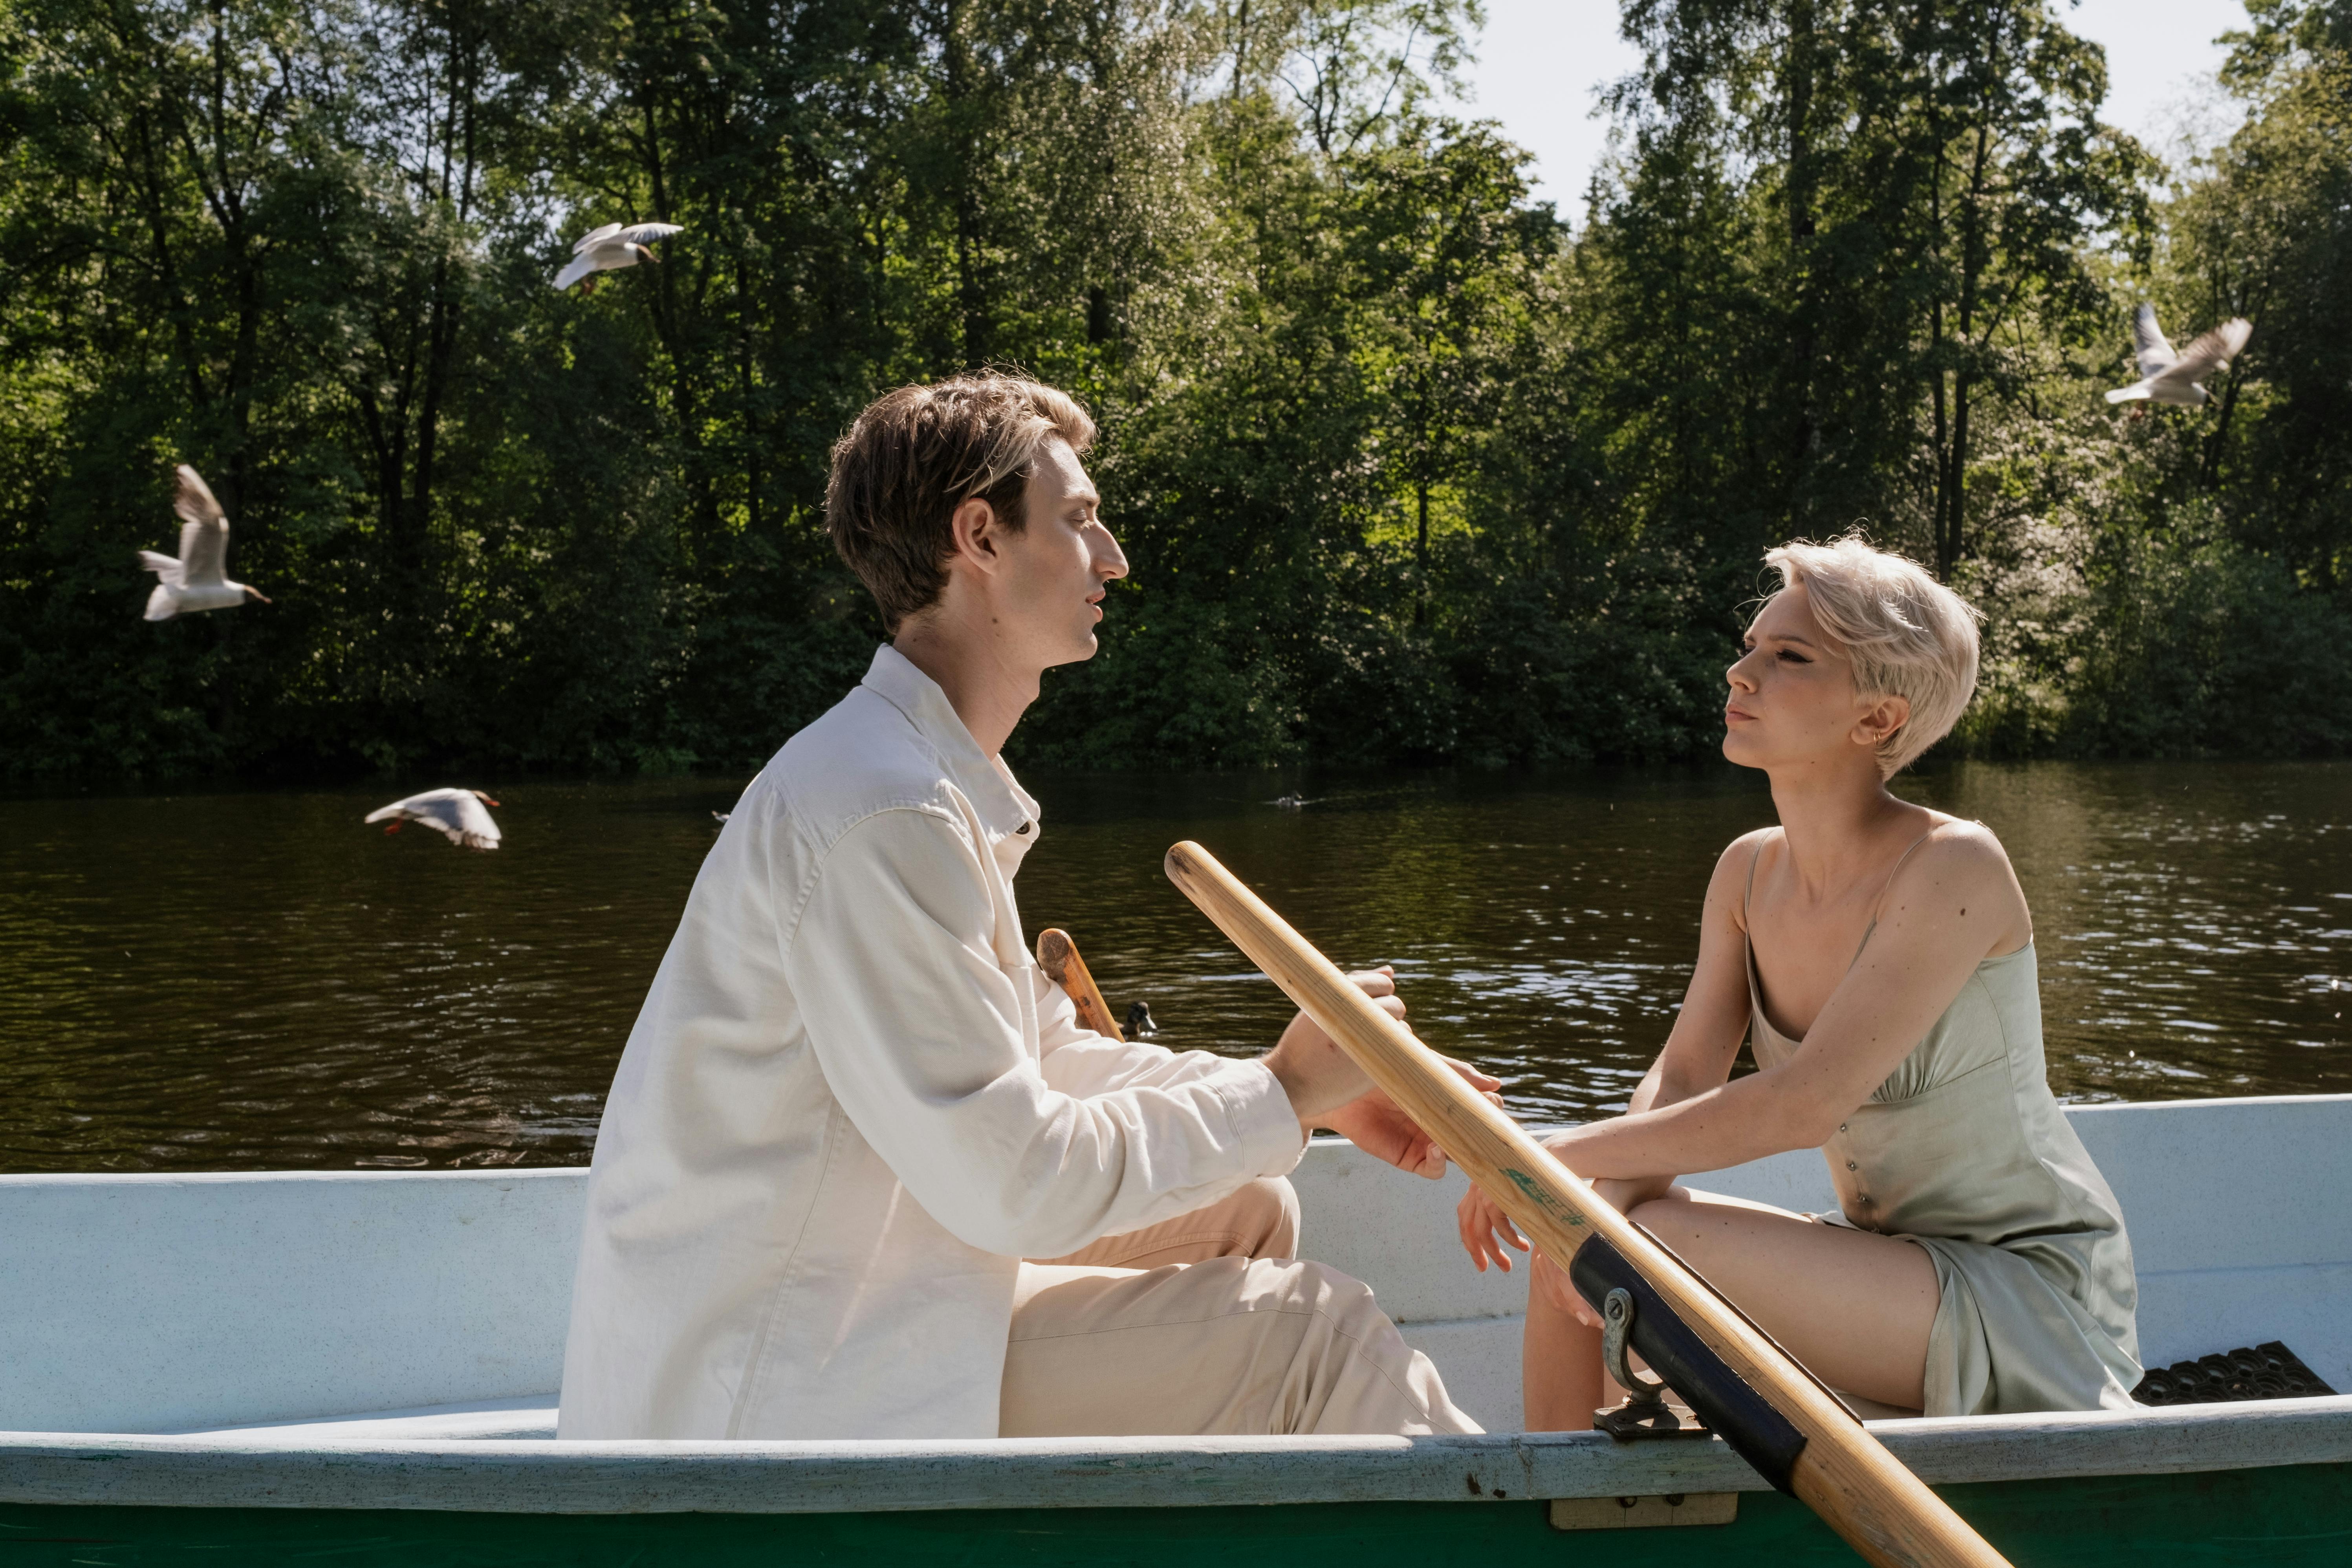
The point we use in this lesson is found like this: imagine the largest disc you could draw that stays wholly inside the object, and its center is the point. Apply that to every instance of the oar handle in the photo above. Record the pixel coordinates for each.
(1886, 1513)
(1058, 955)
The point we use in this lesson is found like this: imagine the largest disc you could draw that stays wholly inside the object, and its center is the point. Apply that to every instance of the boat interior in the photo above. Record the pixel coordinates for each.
(433, 1305)
(425, 1313)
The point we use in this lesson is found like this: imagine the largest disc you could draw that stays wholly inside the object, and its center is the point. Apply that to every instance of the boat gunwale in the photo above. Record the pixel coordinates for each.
(543, 1475)
(493, 1173)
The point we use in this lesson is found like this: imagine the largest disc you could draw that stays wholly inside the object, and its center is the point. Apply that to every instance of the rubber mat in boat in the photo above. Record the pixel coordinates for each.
(2264, 1372)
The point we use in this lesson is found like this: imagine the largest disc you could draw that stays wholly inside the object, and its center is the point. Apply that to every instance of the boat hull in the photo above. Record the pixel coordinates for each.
(358, 1368)
(2285, 1515)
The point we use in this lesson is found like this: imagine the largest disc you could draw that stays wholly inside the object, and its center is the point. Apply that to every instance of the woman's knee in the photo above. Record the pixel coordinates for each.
(1676, 1216)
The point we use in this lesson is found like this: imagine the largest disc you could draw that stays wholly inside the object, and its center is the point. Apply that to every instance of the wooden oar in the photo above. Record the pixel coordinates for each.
(1058, 955)
(1766, 1405)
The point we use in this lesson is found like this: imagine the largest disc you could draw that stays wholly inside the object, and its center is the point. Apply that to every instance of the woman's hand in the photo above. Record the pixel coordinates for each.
(1486, 1230)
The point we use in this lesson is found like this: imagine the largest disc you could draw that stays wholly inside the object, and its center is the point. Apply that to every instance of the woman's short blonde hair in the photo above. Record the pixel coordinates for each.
(1907, 634)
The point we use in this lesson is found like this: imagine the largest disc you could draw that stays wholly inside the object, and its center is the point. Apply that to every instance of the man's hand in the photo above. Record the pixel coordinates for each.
(1328, 1089)
(1376, 1124)
(1318, 1077)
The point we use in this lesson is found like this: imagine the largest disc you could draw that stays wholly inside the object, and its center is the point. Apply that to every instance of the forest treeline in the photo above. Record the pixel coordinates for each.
(1409, 467)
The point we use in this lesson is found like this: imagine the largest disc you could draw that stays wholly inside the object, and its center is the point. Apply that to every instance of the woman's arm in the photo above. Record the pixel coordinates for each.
(1955, 904)
(1704, 1040)
(1698, 1055)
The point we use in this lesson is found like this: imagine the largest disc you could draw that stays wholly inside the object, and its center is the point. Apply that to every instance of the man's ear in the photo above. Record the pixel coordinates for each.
(972, 532)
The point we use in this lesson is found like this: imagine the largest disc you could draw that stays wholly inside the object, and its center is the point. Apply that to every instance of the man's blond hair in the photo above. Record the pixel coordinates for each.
(1907, 634)
(917, 454)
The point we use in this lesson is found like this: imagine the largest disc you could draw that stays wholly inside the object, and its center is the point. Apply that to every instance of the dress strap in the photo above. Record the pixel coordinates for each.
(1880, 908)
(1748, 941)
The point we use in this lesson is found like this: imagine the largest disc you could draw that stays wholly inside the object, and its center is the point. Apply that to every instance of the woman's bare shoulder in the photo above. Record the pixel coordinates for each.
(1729, 880)
(1965, 866)
(1954, 845)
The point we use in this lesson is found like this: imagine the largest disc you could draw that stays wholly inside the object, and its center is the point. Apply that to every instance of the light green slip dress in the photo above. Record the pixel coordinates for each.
(1964, 1151)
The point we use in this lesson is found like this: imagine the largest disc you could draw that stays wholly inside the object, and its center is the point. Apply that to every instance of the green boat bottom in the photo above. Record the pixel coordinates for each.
(2289, 1515)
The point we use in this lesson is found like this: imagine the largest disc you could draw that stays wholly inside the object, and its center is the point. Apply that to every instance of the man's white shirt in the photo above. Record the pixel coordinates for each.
(852, 1103)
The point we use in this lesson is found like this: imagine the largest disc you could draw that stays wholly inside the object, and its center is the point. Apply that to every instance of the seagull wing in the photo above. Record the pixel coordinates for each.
(194, 498)
(2148, 339)
(411, 808)
(163, 566)
(2210, 354)
(2132, 394)
(577, 268)
(433, 808)
(609, 258)
(476, 827)
(441, 815)
(455, 814)
(646, 232)
(204, 531)
(595, 238)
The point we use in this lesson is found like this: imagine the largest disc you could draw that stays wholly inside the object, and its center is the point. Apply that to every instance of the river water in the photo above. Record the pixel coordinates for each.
(254, 980)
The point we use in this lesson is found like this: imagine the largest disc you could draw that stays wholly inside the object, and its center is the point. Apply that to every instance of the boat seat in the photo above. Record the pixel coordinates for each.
(477, 1420)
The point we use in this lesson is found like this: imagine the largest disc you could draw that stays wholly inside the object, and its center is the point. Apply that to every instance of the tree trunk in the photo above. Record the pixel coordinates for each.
(1936, 373)
(1804, 346)
(970, 294)
(1953, 546)
(669, 326)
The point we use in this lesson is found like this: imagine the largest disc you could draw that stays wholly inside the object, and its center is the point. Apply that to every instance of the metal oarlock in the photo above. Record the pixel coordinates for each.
(1744, 1418)
(1647, 1411)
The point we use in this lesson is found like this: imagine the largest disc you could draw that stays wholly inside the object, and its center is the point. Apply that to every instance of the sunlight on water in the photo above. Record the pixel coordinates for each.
(254, 980)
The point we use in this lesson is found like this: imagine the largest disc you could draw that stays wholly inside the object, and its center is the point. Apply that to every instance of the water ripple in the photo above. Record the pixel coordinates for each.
(215, 981)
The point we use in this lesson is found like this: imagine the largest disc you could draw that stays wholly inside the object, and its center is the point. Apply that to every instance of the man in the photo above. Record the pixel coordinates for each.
(852, 1107)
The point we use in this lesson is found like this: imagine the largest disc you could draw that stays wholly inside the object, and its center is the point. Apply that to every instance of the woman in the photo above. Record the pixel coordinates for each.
(1880, 958)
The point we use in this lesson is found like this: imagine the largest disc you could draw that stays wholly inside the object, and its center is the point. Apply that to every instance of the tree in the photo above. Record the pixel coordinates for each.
(1938, 172)
(2265, 232)
(1437, 257)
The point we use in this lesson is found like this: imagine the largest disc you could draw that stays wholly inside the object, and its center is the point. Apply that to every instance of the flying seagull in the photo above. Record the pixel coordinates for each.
(195, 580)
(612, 247)
(455, 812)
(2170, 378)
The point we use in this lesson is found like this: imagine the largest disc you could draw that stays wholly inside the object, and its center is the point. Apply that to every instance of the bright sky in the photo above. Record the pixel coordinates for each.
(1541, 61)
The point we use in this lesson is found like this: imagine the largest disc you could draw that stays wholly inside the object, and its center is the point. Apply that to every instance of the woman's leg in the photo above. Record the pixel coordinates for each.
(1855, 1306)
(1560, 1380)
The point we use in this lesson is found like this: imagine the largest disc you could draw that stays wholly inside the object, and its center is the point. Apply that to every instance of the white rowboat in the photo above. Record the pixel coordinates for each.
(258, 1368)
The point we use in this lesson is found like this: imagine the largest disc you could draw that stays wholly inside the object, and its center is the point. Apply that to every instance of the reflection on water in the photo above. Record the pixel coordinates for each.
(255, 980)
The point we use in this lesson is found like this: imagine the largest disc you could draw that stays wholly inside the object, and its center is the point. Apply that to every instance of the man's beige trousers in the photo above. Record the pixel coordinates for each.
(1204, 1325)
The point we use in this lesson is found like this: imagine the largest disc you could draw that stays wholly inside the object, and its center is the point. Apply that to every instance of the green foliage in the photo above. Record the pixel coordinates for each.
(1408, 470)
